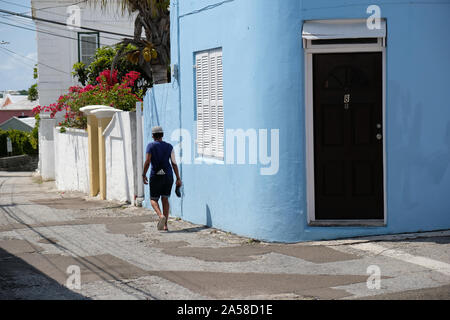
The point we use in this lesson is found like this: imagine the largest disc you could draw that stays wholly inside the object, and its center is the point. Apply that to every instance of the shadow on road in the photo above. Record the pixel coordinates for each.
(190, 230)
(21, 281)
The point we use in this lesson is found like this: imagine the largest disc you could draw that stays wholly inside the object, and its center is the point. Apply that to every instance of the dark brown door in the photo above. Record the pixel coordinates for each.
(348, 141)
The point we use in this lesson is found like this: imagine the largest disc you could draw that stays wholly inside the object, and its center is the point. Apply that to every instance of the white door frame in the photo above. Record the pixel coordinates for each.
(310, 50)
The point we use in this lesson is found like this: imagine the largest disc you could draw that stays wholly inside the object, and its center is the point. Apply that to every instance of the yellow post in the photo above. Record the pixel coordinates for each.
(98, 119)
(92, 126)
(102, 124)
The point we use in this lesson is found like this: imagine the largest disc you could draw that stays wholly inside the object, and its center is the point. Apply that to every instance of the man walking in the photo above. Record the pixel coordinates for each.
(161, 176)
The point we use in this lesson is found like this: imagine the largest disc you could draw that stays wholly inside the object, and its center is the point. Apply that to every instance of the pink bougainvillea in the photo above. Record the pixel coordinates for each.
(109, 91)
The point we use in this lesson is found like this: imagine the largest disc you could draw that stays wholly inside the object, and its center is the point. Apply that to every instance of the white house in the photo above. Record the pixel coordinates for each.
(16, 106)
(22, 124)
(60, 47)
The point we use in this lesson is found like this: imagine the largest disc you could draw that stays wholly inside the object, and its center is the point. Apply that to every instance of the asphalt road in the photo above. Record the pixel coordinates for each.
(57, 245)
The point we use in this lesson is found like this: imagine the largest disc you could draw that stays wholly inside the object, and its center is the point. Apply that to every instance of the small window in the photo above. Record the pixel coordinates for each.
(210, 112)
(88, 43)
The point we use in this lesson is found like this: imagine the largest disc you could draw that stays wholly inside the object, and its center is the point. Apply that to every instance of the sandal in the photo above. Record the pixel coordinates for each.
(161, 223)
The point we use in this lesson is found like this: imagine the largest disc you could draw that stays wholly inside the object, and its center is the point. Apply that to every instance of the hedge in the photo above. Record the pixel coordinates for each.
(22, 143)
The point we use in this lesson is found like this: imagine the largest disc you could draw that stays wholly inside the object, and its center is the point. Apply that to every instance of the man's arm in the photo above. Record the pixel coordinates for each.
(146, 166)
(175, 168)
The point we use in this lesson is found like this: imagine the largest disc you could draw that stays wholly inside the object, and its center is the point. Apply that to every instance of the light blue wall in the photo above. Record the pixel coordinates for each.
(264, 88)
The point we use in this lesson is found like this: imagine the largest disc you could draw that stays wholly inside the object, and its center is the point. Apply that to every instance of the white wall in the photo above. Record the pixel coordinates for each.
(120, 145)
(46, 165)
(62, 53)
(71, 160)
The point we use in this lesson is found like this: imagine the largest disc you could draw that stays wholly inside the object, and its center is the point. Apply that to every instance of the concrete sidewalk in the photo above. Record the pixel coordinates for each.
(121, 255)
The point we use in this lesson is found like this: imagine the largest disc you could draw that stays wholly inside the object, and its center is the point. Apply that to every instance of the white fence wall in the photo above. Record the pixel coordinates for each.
(120, 145)
(71, 160)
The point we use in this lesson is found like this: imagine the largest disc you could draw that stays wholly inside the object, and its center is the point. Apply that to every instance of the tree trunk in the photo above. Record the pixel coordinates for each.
(159, 73)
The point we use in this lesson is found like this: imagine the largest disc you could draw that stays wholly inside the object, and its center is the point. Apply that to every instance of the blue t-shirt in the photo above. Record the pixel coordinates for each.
(160, 152)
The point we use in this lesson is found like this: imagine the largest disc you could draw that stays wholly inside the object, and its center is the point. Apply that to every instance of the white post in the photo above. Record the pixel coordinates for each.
(139, 155)
(46, 147)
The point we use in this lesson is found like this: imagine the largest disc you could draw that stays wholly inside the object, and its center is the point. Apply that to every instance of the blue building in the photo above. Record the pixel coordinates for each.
(304, 120)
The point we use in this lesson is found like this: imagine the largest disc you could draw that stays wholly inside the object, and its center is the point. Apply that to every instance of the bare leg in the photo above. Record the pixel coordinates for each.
(166, 208)
(155, 206)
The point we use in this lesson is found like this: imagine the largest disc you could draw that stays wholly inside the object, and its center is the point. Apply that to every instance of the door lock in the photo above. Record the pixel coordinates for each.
(379, 136)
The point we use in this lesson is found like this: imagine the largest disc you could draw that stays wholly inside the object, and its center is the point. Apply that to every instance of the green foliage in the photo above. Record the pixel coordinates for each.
(22, 142)
(81, 72)
(103, 60)
(33, 93)
(23, 92)
(35, 132)
(157, 7)
(109, 92)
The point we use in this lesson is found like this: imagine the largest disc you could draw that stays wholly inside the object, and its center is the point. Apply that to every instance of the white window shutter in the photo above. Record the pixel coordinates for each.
(220, 112)
(213, 103)
(199, 93)
(209, 90)
(202, 83)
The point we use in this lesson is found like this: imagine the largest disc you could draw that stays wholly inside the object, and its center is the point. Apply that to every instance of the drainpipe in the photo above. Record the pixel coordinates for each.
(179, 92)
(139, 156)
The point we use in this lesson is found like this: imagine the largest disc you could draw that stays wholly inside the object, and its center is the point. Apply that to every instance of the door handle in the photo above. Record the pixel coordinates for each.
(379, 136)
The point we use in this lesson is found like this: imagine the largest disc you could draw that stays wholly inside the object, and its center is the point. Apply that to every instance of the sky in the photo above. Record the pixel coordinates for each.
(16, 72)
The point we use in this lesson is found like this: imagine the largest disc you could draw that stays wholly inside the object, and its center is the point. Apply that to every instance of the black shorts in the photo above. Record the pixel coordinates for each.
(160, 186)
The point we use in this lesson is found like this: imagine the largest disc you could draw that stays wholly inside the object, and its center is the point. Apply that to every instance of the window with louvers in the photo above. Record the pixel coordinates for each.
(210, 113)
(88, 45)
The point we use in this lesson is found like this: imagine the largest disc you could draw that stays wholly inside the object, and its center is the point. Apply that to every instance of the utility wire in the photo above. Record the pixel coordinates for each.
(16, 58)
(36, 62)
(53, 7)
(61, 6)
(50, 33)
(63, 24)
(30, 24)
(43, 9)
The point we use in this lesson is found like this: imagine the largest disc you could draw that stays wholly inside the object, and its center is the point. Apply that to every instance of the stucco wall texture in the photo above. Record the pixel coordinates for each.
(120, 142)
(263, 62)
(71, 160)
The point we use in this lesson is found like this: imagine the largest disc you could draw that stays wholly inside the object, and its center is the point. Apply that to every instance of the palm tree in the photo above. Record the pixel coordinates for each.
(152, 51)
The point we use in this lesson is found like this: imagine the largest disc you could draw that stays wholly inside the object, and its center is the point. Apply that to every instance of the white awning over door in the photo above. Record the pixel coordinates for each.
(341, 29)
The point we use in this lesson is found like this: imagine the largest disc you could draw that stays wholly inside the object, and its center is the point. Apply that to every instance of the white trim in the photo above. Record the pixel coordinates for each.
(347, 223)
(342, 29)
(309, 126)
(308, 44)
